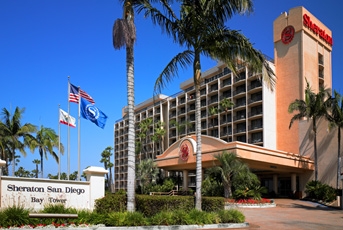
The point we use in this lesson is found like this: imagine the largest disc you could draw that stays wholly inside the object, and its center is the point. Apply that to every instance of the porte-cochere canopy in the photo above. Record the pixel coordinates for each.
(181, 156)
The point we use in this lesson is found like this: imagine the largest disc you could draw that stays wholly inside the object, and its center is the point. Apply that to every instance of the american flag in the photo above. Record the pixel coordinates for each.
(74, 94)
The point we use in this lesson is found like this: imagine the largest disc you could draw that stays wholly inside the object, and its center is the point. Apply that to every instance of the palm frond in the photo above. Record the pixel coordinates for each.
(123, 33)
(231, 45)
(183, 60)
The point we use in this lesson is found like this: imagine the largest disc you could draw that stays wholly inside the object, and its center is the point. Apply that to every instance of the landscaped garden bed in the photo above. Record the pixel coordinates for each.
(249, 203)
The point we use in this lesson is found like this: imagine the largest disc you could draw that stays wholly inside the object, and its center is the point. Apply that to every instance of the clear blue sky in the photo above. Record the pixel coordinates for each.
(42, 42)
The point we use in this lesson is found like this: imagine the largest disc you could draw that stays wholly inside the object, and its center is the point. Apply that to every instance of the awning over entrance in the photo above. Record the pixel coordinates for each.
(181, 156)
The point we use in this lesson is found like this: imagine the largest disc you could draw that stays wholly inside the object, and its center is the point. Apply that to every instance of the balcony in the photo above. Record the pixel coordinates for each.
(240, 130)
(255, 113)
(239, 117)
(255, 127)
(255, 99)
(255, 140)
(255, 85)
(239, 91)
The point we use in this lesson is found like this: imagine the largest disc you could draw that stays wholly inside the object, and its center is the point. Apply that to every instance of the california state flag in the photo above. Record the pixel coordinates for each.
(64, 119)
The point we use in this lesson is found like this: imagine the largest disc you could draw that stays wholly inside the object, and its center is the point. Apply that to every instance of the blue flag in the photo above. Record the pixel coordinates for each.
(92, 113)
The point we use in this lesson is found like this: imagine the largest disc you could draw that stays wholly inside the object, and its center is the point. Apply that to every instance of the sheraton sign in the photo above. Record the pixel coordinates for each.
(316, 29)
(35, 193)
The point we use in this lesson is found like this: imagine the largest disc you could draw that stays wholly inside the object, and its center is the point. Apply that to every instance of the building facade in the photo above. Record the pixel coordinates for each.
(256, 127)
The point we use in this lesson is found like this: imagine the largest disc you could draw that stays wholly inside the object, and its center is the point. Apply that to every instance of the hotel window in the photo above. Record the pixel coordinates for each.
(203, 102)
(242, 138)
(256, 137)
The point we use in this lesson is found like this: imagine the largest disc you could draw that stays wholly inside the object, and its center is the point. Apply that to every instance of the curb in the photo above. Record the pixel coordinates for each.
(158, 227)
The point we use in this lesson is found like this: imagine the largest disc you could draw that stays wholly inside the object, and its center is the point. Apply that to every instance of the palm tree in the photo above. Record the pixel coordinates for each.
(229, 167)
(144, 126)
(147, 172)
(225, 105)
(124, 34)
(335, 118)
(21, 172)
(201, 29)
(4, 151)
(36, 162)
(45, 141)
(159, 132)
(213, 111)
(12, 132)
(179, 127)
(313, 107)
(106, 159)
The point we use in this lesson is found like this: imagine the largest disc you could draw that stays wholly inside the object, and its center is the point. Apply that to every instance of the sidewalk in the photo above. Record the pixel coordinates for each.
(293, 214)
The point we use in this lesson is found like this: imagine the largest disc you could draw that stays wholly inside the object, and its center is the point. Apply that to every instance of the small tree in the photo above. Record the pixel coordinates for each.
(146, 174)
(229, 167)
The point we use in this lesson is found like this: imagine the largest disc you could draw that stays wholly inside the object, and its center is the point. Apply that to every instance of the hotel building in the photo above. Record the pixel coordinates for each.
(256, 128)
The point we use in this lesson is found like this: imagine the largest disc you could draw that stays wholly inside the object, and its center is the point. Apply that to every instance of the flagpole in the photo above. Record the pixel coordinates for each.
(59, 143)
(79, 142)
(68, 130)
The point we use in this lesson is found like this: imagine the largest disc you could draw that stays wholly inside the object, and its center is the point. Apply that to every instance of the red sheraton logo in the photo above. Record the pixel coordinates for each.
(316, 29)
(287, 34)
(184, 152)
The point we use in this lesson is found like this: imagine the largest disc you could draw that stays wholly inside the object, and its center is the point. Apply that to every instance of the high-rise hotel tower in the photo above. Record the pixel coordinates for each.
(256, 127)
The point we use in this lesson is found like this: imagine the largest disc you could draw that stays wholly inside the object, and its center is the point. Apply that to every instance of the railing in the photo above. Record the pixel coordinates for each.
(171, 193)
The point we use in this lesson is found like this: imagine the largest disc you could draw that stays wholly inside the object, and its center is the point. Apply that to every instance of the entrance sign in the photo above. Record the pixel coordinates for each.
(33, 193)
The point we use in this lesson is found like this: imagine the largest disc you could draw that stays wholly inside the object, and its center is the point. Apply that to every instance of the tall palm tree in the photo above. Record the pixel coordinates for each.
(312, 108)
(106, 159)
(179, 127)
(335, 118)
(201, 29)
(213, 111)
(159, 132)
(36, 171)
(144, 134)
(226, 104)
(124, 35)
(45, 141)
(4, 151)
(13, 132)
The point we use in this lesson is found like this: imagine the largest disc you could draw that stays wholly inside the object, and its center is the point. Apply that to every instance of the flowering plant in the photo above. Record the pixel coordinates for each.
(249, 201)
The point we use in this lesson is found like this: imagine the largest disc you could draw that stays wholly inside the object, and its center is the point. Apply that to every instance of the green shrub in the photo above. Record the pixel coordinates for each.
(125, 219)
(163, 218)
(144, 204)
(212, 204)
(231, 216)
(58, 208)
(200, 217)
(182, 218)
(319, 191)
(15, 216)
(167, 186)
(210, 187)
(2, 218)
(111, 203)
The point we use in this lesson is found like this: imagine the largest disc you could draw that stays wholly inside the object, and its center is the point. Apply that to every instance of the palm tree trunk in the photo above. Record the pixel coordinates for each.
(315, 150)
(197, 78)
(131, 179)
(227, 128)
(13, 162)
(41, 164)
(338, 158)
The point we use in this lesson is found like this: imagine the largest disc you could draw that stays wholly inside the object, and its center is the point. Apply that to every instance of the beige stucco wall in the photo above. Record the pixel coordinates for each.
(294, 63)
(327, 148)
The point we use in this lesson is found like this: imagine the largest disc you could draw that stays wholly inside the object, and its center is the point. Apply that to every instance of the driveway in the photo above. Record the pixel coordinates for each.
(294, 214)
